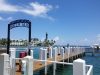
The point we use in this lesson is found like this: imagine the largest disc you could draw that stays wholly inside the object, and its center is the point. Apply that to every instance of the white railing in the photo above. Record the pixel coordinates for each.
(57, 62)
(89, 70)
(83, 69)
(79, 66)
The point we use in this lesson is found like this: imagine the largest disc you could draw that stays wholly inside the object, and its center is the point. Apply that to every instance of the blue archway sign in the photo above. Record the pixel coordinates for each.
(15, 24)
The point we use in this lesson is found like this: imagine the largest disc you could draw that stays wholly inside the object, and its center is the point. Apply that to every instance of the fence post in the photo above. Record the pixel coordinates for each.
(12, 55)
(43, 56)
(13, 67)
(68, 53)
(50, 52)
(62, 53)
(32, 53)
(45, 61)
(4, 64)
(12, 60)
(55, 59)
(79, 67)
(23, 68)
(29, 65)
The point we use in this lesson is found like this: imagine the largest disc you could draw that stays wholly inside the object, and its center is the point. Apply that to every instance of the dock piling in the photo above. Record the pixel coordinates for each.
(45, 62)
(79, 67)
(54, 68)
(12, 55)
(4, 64)
(32, 53)
(29, 63)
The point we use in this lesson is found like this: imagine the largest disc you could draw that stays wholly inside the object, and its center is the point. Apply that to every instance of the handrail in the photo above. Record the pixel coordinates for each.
(90, 70)
(54, 62)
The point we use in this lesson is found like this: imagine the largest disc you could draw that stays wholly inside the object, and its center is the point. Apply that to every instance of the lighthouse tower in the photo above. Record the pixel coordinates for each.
(46, 36)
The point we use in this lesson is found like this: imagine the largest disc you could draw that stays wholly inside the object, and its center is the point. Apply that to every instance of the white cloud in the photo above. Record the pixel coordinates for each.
(98, 37)
(85, 40)
(6, 19)
(42, 39)
(37, 9)
(56, 38)
(34, 9)
(10, 18)
(5, 7)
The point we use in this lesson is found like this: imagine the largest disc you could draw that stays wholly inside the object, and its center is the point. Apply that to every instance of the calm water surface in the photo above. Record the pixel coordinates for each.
(95, 61)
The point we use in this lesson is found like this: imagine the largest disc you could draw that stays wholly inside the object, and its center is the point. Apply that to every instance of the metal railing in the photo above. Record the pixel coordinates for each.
(89, 69)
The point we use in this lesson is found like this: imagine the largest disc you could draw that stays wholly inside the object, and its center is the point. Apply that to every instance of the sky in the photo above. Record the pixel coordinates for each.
(66, 21)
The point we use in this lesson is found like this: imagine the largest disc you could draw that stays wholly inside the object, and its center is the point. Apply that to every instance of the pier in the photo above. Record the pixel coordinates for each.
(69, 54)
(54, 56)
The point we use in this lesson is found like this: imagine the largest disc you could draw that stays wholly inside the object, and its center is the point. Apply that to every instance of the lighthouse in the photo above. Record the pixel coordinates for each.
(46, 36)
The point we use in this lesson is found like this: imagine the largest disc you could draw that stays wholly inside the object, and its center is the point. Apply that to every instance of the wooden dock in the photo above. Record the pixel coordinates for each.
(39, 65)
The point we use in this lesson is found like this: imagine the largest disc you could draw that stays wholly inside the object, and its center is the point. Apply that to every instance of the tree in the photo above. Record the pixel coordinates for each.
(52, 42)
(3, 41)
(34, 39)
(39, 44)
(48, 43)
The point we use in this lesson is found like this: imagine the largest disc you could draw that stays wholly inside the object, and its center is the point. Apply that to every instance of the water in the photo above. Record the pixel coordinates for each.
(67, 70)
(95, 61)
(35, 53)
(61, 70)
